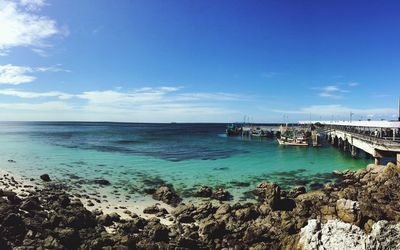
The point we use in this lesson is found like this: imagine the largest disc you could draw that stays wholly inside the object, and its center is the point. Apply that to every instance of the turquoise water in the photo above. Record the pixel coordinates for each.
(137, 156)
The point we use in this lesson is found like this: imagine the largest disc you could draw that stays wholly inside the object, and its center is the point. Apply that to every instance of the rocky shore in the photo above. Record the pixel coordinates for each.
(360, 211)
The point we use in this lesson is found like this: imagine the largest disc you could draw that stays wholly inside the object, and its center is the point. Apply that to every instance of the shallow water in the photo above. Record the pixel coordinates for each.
(137, 156)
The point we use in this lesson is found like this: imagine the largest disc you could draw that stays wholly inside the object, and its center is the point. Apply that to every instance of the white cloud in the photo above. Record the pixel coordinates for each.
(269, 74)
(45, 106)
(10, 74)
(29, 94)
(20, 26)
(219, 96)
(119, 98)
(14, 75)
(329, 95)
(331, 88)
(339, 110)
(33, 4)
(332, 91)
(353, 84)
(162, 104)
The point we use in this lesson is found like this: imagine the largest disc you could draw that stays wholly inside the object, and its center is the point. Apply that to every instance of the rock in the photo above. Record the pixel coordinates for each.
(13, 225)
(68, 237)
(155, 210)
(337, 173)
(167, 195)
(316, 186)
(51, 243)
(296, 191)
(348, 210)
(13, 198)
(222, 210)
(336, 234)
(31, 204)
(269, 193)
(368, 225)
(213, 229)
(245, 214)
(221, 195)
(385, 236)
(108, 219)
(12, 220)
(332, 235)
(102, 182)
(204, 191)
(159, 233)
(45, 177)
(185, 213)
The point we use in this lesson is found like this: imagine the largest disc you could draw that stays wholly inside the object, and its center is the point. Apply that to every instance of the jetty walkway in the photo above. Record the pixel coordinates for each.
(380, 139)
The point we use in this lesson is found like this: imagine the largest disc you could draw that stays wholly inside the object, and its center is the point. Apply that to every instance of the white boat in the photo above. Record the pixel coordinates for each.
(297, 141)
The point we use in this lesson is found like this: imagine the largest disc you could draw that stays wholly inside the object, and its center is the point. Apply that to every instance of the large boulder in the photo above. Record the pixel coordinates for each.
(269, 193)
(213, 229)
(221, 195)
(337, 234)
(334, 234)
(108, 219)
(379, 197)
(45, 177)
(204, 191)
(348, 211)
(167, 195)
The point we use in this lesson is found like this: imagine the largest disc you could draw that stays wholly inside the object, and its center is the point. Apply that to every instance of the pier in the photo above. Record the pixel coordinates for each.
(380, 139)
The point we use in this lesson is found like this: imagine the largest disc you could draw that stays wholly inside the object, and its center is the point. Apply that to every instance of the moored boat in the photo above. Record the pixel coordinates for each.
(233, 129)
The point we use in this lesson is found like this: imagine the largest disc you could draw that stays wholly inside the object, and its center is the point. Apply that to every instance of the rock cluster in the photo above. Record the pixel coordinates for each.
(345, 215)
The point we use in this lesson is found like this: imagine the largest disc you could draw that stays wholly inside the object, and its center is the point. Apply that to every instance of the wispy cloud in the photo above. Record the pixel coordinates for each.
(20, 25)
(11, 74)
(219, 96)
(33, 5)
(97, 30)
(45, 106)
(353, 84)
(15, 75)
(335, 91)
(142, 104)
(339, 110)
(30, 94)
(269, 74)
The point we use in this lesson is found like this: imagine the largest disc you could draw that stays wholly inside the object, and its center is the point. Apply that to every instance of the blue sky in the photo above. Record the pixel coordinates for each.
(198, 61)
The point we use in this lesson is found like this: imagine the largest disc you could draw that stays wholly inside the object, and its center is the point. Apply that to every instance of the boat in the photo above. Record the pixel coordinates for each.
(291, 137)
(258, 132)
(300, 141)
(233, 130)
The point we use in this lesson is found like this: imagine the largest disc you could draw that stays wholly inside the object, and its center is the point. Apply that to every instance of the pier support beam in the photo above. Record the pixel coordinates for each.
(345, 145)
(398, 160)
(354, 152)
(377, 156)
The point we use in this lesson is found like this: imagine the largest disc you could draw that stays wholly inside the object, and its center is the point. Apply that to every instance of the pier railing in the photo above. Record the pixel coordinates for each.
(387, 140)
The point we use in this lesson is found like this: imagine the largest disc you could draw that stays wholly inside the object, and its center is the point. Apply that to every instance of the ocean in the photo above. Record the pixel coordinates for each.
(136, 156)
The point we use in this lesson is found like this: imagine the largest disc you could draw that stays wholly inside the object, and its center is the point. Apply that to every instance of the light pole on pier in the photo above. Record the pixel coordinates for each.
(351, 115)
(398, 118)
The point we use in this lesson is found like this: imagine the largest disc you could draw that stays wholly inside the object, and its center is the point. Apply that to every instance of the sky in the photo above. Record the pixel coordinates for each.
(199, 61)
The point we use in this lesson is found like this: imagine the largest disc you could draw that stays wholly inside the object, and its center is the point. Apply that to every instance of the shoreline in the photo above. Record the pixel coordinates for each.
(364, 205)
